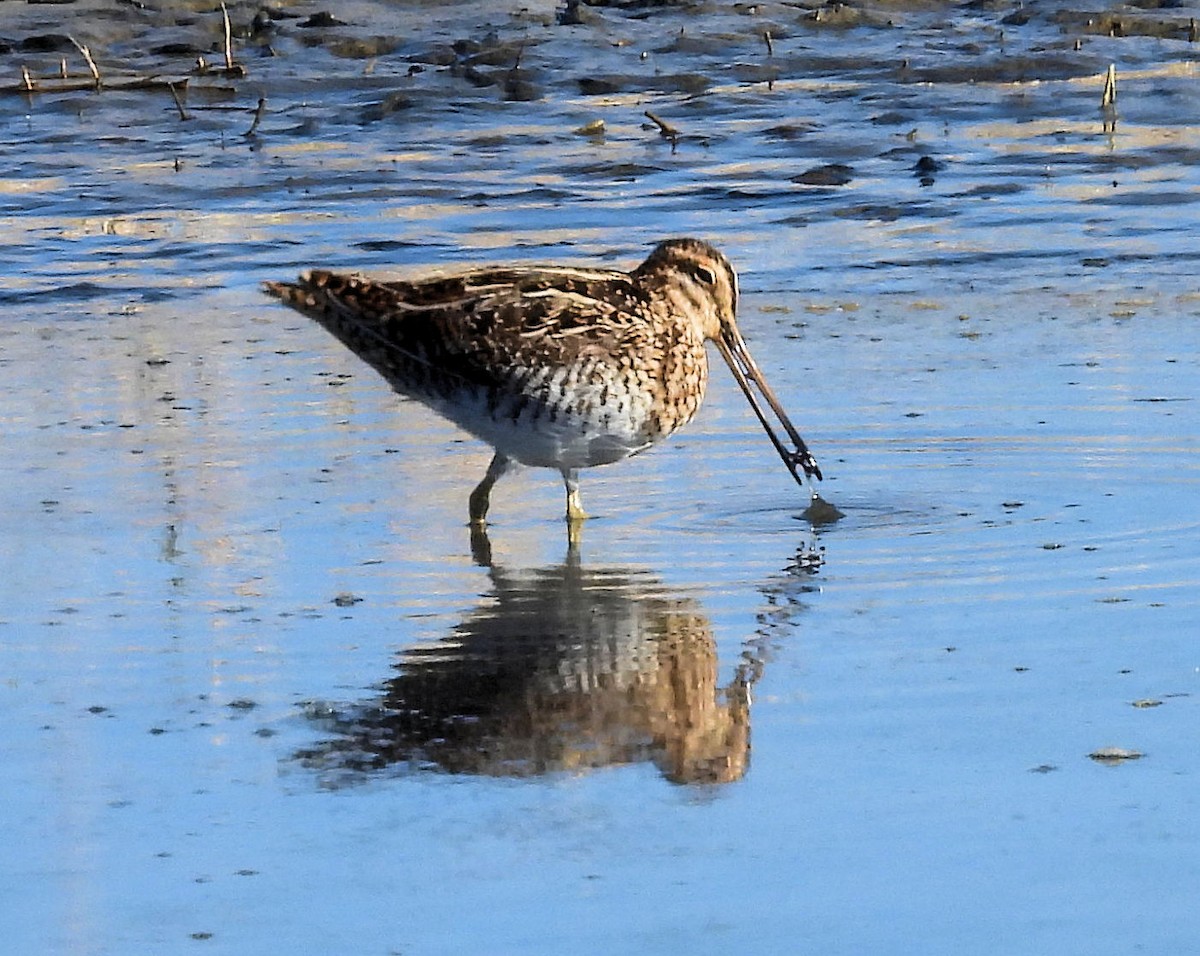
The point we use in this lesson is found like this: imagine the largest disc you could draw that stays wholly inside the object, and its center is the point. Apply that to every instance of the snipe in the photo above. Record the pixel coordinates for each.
(554, 366)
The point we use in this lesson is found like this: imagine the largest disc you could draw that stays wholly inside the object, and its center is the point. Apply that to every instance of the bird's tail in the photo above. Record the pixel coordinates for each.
(363, 316)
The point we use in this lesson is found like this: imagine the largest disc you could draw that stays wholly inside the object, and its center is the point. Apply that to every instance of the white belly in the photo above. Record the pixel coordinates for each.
(580, 433)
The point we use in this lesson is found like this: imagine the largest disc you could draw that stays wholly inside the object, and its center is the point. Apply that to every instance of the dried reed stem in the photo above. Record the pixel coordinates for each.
(87, 56)
(228, 37)
(258, 115)
(1109, 97)
(183, 115)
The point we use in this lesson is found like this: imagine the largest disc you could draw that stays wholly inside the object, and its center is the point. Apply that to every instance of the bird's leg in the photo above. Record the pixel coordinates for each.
(575, 512)
(481, 546)
(481, 496)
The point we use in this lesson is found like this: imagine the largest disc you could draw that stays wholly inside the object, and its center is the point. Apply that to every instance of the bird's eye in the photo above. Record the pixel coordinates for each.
(705, 275)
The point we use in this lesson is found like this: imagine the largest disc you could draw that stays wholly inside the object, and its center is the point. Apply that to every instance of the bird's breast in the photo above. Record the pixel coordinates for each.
(594, 411)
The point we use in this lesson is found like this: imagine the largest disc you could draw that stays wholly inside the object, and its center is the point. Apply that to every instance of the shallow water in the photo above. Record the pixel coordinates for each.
(263, 692)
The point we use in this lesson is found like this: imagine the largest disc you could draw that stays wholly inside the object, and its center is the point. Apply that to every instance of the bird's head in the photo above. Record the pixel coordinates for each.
(702, 286)
(699, 281)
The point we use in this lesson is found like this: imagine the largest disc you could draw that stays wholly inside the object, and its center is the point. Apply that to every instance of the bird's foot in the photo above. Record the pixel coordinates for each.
(481, 545)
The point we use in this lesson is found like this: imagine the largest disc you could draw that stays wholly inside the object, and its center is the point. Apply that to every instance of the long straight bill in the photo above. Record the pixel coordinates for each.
(798, 459)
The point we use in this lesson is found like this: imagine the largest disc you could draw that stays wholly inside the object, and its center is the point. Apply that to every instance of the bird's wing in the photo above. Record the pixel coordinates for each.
(490, 328)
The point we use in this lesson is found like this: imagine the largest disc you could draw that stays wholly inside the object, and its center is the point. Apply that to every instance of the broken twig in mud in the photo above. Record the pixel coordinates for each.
(183, 114)
(55, 84)
(87, 56)
(1109, 98)
(664, 128)
(258, 115)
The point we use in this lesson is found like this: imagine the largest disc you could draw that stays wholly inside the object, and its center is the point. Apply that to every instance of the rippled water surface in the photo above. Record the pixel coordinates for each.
(264, 693)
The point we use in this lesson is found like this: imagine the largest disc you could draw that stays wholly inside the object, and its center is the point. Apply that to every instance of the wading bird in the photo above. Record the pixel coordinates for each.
(554, 366)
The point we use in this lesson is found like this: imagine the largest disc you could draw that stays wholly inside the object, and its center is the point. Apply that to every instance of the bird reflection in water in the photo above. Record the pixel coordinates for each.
(561, 669)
